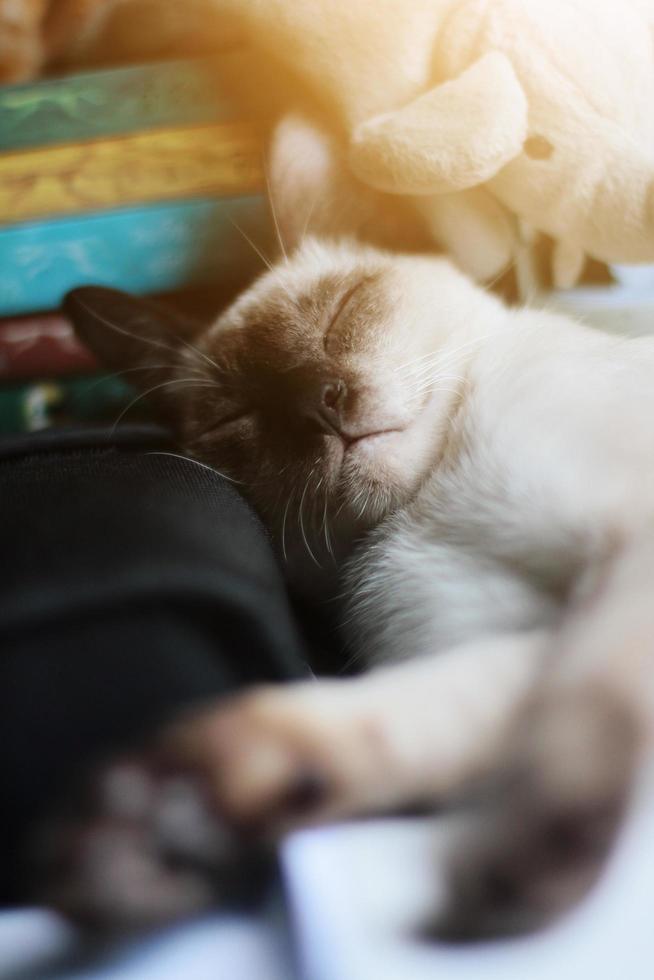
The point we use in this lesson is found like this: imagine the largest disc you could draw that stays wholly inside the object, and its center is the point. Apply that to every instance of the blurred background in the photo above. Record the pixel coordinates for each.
(133, 140)
(129, 158)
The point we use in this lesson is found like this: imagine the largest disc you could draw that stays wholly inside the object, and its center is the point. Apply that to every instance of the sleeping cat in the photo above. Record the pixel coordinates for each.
(476, 482)
(474, 485)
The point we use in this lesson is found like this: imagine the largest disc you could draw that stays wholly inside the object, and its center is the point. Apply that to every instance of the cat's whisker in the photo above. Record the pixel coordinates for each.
(121, 330)
(322, 525)
(431, 386)
(416, 360)
(325, 525)
(263, 258)
(428, 376)
(472, 342)
(503, 272)
(307, 220)
(340, 509)
(301, 520)
(200, 353)
(445, 356)
(357, 656)
(149, 391)
(142, 367)
(419, 384)
(288, 504)
(273, 212)
(429, 370)
(327, 532)
(436, 360)
(196, 462)
(363, 508)
(432, 355)
(432, 389)
(172, 349)
(258, 251)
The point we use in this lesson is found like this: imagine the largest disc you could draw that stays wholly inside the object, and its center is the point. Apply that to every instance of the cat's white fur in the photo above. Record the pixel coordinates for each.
(492, 538)
(520, 490)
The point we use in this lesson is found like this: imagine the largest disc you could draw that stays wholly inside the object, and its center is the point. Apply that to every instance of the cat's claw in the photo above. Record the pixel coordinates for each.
(165, 833)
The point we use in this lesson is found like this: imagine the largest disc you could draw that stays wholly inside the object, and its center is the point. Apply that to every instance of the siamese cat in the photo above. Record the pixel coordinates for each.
(475, 485)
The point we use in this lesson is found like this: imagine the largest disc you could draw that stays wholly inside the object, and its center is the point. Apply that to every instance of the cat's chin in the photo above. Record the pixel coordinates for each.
(374, 466)
(392, 463)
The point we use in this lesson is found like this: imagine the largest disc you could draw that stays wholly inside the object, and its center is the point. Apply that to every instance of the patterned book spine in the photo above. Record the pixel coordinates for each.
(224, 158)
(38, 346)
(94, 104)
(41, 404)
(152, 249)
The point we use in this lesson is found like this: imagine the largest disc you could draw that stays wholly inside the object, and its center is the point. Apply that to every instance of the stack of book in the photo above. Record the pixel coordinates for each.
(144, 178)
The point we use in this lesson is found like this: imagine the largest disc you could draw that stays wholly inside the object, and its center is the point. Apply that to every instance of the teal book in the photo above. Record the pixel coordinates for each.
(147, 249)
(95, 104)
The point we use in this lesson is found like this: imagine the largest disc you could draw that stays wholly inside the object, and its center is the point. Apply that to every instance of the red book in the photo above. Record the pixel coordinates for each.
(44, 345)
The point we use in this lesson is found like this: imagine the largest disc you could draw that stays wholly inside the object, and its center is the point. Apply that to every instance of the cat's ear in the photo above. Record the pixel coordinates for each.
(122, 330)
(314, 192)
(132, 335)
(304, 165)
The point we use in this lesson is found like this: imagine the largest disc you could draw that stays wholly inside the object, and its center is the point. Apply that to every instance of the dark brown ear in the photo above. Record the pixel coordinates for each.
(135, 336)
(122, 330)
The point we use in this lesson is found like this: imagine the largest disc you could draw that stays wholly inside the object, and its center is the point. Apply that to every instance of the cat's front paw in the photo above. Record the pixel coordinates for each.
(288, 755)
(138, 846)
(538, 844)
(166, 833)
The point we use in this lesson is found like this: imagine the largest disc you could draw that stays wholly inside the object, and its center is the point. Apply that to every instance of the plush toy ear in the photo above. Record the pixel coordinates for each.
(131, 334)
(451, 138)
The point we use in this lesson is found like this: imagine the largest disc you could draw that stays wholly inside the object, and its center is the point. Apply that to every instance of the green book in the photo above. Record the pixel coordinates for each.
(119, 100)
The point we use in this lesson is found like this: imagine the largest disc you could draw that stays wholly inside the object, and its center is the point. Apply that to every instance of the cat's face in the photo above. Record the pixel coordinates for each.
(323, 391)
(325, 409)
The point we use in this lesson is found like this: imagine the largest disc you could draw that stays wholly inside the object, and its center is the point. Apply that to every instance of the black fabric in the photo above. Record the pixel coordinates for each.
(132, 584)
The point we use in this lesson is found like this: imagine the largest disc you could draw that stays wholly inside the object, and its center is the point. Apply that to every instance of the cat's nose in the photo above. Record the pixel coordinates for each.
(324, 404)
(332, 396)
(330, 405)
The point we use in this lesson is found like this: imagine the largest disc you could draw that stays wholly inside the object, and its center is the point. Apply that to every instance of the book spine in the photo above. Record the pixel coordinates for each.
(224, 158)
(152, 249)
(40, 404)
(37, 346)
(94, 104)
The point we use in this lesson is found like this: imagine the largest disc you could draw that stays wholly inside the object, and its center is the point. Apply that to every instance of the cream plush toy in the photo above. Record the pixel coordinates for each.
(501, 118)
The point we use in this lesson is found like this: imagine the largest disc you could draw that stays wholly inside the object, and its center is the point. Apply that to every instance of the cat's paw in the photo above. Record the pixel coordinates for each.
(538, 844)
(136, 847)
(166, 833)
(284, 756)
